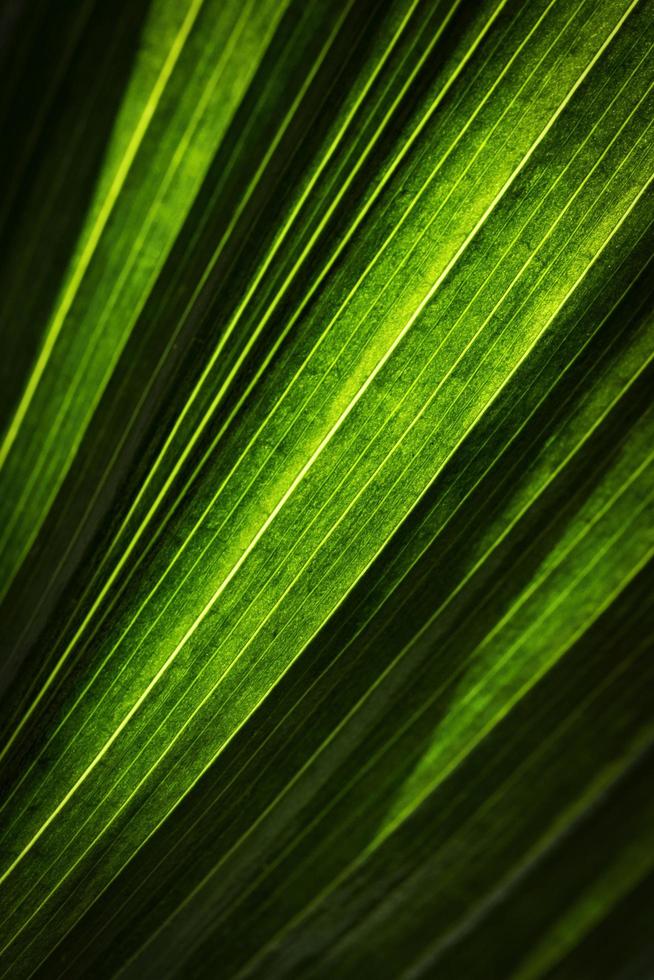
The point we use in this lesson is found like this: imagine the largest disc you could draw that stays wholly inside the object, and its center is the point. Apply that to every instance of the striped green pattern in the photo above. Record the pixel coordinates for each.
(327, 489)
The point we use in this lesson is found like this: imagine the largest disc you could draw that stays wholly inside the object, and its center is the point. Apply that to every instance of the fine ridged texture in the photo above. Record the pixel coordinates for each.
(327, 489)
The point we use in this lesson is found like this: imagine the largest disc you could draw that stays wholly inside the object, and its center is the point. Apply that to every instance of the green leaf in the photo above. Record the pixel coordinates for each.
(327, 489)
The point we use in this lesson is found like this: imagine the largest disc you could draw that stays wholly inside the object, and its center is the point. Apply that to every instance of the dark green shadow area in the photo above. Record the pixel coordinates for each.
(65, 67)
